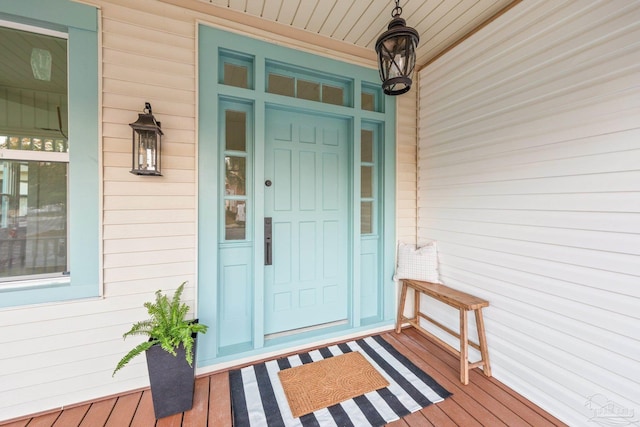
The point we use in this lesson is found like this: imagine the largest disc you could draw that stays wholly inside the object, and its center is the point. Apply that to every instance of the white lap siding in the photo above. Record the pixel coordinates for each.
(55, 355)
(529, 178)
(406, 128)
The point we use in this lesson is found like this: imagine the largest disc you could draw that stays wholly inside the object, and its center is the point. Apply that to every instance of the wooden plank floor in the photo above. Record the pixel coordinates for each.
(483, 402)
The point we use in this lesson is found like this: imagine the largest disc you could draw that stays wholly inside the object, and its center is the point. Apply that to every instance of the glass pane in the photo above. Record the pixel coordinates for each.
(366, 217)
(281, 85)
(366, 146)
(366, 182)
(368, 101)
(38, 144)
(35, 67)
(332, 95)
(235, 220)
(235, 175)
(308, 90)
(33, 218)
(236, 75)
(236, 130)
(145, 145)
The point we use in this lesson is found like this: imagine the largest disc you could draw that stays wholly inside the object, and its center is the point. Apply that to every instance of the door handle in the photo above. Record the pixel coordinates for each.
(268, 241)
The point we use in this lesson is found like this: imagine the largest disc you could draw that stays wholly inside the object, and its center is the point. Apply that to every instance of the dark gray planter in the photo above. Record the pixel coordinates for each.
(172, 380)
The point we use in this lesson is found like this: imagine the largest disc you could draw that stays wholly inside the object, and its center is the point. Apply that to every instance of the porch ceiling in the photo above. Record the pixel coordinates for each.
(350, 27)
(441, 24)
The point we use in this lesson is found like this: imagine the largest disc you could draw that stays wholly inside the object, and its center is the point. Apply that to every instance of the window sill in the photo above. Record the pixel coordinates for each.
(49, 282)
(51, 290)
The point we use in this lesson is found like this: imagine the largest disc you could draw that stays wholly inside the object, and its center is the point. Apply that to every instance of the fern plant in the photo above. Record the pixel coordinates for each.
(166, 327)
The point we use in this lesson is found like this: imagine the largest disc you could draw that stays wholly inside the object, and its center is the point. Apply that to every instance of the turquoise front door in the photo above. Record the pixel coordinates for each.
(307, 198)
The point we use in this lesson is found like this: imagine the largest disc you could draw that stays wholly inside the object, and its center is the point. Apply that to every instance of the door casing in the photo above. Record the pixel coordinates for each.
(231, 275)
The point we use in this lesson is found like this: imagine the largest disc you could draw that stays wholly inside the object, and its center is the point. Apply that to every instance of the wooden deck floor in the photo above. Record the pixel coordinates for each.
(484, 402)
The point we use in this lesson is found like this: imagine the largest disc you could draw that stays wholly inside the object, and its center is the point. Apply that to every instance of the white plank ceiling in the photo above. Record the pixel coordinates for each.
(440, 23)
(344, 23)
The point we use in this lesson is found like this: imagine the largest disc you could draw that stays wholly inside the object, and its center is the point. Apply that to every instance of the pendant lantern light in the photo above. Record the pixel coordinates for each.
(396, 49)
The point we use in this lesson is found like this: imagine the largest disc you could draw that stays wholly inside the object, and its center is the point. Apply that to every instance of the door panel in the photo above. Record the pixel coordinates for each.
(306, 158)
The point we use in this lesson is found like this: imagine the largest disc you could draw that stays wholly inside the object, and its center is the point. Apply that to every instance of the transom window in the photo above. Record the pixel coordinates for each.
(297, 83)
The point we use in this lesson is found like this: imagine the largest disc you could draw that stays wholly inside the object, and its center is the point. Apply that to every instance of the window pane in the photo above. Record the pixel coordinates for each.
(235, 175)
(332, 95)
(235, 220)
(368, 101)
(366, 143)
(281, 85)
(33, 218)
(366, 217)
(236, 130)
(366, 182)
(33, 194)
(236, 75)
(308, 90)
(34, 144)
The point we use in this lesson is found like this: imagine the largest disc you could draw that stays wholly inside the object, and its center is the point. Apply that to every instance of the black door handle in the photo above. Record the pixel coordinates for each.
(268, 242)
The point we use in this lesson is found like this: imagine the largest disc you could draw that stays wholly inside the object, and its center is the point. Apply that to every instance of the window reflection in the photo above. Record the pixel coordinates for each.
(366, 217)
(368, 101)
(236, 130)
(235, 175)
(366, 183)
(235, 220)
(366, 155)
(332, 95)
(33, 218)
(236, 75)
(308, 90)
(281, 85)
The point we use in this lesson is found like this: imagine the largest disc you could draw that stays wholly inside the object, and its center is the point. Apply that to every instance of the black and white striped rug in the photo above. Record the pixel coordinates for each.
(258, 400)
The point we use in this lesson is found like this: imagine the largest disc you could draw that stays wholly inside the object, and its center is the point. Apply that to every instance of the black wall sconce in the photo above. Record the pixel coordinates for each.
(396, 49)
(147, 143)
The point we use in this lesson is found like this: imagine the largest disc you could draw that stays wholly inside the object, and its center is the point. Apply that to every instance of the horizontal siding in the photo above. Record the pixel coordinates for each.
(54, 355)
(57, 354)
(406, 169)
(528, 177)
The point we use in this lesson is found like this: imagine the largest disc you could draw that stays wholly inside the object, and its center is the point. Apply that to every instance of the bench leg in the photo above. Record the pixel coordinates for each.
(464, 348)
(484, 350)
(403, 298)
(416, 306)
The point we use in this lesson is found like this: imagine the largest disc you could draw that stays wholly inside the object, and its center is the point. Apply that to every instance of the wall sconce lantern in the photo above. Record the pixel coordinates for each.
(396, 49)
(147, 139)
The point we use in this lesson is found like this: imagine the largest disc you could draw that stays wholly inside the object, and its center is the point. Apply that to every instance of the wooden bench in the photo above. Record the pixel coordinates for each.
(463, 302)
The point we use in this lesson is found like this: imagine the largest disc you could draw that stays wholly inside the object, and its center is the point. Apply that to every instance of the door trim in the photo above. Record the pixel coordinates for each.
(210, 286)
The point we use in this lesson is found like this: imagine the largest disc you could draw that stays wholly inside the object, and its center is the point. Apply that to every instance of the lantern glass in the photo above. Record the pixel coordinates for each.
(146, 143)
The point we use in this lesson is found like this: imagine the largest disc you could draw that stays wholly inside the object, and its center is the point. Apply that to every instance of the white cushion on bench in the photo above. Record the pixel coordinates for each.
(418, 263)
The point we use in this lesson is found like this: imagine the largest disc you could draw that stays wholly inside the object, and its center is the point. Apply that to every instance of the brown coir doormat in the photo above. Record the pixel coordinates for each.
(329, 381)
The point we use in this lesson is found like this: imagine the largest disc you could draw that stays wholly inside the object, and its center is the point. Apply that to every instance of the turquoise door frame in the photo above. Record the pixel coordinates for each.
(231, 274)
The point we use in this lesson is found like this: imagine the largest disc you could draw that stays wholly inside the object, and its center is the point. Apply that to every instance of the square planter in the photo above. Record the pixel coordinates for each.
(172, 380)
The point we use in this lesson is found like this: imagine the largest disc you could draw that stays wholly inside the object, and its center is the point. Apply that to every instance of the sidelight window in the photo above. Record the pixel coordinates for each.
(236, 127)
(368, 179)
